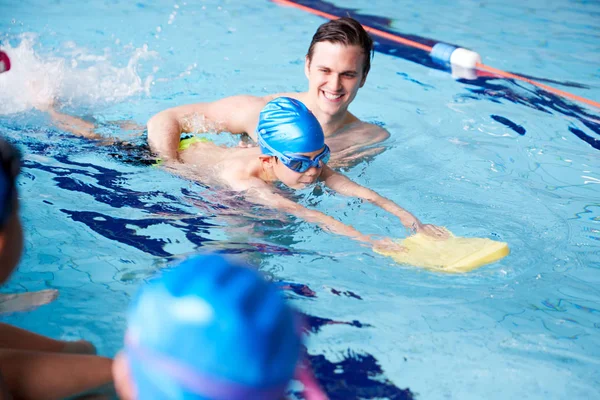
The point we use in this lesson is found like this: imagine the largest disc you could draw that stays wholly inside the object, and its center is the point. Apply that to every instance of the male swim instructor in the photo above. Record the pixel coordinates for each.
(336, 65)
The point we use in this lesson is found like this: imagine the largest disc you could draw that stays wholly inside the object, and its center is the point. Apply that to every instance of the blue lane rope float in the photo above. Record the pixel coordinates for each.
(464, 63)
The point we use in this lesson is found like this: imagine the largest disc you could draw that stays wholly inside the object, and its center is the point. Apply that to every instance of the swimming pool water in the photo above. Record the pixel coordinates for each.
(488, 158)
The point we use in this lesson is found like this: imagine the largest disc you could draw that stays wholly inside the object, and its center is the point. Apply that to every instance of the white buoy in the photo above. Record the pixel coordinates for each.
(465, 58)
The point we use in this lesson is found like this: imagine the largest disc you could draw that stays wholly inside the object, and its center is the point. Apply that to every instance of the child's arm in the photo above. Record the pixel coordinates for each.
(80, 127)
(261, 194)
(345, 186)
(75, 125)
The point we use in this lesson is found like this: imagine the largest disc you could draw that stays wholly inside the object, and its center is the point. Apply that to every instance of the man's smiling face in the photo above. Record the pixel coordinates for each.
(335, 73)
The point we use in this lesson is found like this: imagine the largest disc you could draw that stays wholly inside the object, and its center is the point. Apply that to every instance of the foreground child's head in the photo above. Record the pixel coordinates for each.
(208, 329)
(292, 142)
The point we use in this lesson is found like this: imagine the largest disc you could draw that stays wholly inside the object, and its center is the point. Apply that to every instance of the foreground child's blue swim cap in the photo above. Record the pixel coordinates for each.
(286, 126)
(211, 329)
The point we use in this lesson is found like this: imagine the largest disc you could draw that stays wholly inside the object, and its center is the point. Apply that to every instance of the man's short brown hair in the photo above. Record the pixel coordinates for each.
(346, 31)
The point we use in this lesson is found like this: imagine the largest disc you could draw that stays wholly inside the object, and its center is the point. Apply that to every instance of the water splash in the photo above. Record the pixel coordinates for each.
(76, 77)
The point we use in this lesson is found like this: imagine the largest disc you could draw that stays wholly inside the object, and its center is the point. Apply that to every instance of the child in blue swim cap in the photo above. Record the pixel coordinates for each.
(289, 131)
(292, 138)
(208, 329)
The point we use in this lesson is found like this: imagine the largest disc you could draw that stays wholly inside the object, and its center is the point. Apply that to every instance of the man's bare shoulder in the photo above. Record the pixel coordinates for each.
(378, 133)
(354, 125)
(358, 128)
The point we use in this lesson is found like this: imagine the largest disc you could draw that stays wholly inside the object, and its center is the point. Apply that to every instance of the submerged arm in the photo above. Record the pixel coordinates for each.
(73, 124)
(346, 187)
(80, 127)
(237, 114)
(265, 196)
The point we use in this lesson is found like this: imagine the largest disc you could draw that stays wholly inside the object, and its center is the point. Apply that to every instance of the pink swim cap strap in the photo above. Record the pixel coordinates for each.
(312, 389)
(196, 382)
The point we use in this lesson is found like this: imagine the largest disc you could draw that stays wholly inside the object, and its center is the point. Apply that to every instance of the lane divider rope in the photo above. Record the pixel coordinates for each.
(448, 55)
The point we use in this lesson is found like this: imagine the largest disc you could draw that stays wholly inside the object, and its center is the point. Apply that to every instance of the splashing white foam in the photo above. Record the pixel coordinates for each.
(77, 77)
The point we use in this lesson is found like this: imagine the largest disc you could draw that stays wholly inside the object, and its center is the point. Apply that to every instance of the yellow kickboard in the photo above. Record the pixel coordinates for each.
(452, 255)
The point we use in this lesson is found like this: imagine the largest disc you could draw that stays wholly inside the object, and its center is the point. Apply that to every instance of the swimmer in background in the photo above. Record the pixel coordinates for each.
(34, 366)
(211, 329)
(292, 151)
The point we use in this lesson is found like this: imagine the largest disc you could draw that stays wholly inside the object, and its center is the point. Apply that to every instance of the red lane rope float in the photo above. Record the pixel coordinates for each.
(480, 66)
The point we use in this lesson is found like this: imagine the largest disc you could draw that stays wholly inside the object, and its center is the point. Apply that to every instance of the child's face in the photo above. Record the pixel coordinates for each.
(298, 180)
(11, 243)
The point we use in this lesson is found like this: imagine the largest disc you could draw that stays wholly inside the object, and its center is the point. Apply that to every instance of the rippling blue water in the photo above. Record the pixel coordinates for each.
(488, 158)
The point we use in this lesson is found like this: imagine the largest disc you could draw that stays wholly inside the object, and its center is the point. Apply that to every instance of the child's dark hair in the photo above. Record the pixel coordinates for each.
(346, 31)
(10, 166)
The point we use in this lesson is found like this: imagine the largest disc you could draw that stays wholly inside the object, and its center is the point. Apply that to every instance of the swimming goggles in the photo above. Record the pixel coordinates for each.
(10, 167)
(296, 162)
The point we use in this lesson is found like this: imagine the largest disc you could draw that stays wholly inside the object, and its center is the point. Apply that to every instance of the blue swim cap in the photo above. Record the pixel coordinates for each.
(211, 329)
(286, 126)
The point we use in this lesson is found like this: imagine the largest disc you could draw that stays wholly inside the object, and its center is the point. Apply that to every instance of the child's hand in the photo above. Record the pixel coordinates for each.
(434, 231)
(387, 245)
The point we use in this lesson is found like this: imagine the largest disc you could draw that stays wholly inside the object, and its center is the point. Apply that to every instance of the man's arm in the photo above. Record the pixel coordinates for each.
(237, 114)
(346, 187)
